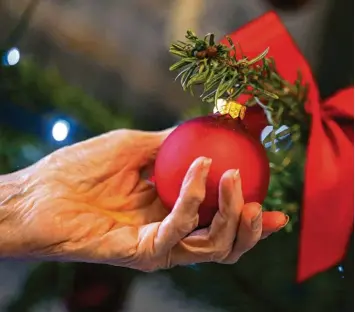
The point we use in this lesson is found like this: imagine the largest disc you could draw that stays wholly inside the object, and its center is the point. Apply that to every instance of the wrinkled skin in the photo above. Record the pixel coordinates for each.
(89, 202)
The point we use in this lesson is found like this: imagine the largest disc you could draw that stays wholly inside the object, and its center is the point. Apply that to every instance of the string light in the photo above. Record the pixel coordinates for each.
(341, 270)
(11, 57)
(60, 130)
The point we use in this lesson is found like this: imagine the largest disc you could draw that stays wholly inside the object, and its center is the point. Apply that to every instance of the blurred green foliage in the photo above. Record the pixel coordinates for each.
(40, 90)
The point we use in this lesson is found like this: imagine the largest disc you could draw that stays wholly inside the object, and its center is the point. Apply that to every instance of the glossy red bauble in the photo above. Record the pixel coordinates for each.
(228, 144)
(255, 121)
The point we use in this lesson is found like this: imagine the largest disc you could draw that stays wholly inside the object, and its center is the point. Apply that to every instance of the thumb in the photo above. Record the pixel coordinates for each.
(154, 139)
(150, 144)
(158, 137)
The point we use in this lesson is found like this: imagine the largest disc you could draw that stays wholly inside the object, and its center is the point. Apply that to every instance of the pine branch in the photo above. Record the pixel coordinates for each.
(225, 72)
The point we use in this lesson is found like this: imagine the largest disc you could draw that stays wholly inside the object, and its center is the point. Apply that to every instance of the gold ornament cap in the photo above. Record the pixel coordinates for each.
(231, 108)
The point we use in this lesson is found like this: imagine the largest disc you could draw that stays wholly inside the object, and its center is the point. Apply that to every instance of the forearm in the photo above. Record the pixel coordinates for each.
(12, 192)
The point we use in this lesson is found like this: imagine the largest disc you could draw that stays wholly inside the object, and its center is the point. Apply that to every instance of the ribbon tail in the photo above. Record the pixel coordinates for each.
(328, 207)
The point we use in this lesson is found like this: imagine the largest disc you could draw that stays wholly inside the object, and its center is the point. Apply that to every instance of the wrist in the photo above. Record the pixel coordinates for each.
(12, 199)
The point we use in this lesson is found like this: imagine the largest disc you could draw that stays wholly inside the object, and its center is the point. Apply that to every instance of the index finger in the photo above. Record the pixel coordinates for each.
(184, 217)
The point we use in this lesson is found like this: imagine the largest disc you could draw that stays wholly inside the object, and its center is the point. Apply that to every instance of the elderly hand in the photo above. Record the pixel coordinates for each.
(89, 202)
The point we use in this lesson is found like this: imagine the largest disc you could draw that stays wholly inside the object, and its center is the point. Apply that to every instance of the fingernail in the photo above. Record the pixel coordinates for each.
(206, 164)
(256, 221)
(287, 218)
(236, 175)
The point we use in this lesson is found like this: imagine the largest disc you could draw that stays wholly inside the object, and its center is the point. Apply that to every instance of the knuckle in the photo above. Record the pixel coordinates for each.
(222, 251)
(194, 198)
(194, 222)
(161, 263)
(186, 226)
(221, 255)
(168, 262)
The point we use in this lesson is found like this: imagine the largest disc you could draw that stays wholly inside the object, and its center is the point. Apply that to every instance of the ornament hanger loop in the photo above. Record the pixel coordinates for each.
(231, 108)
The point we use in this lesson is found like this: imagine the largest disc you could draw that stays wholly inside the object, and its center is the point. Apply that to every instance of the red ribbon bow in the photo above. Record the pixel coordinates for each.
(328, 211)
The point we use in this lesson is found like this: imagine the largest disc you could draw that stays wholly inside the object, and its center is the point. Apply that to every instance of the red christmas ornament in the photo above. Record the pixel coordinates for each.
(255, 121)
(227, 142)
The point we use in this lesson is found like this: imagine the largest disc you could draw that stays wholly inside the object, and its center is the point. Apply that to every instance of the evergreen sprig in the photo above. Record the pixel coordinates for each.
(225, 72)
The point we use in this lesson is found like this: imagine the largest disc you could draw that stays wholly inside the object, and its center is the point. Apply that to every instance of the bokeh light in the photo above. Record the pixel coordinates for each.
(60, 130)
(11, 57)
